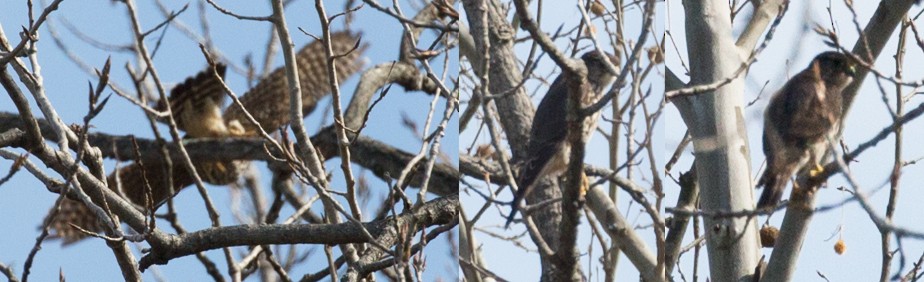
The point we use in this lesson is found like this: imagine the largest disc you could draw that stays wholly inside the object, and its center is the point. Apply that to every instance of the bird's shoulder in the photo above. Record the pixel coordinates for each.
(798, 94)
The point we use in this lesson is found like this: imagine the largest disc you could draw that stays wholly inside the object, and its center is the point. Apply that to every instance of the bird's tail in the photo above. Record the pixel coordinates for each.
(513, 213)
(773, 190)
(519, 195)
(527, 176)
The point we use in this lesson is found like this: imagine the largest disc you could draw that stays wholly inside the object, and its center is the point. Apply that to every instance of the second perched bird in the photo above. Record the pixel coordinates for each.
(548, 152)
(799, 120)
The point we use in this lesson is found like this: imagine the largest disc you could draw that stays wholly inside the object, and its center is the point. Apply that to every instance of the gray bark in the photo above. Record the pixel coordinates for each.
(716, 122)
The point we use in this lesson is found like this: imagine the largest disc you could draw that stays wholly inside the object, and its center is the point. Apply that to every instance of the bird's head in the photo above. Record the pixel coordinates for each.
(597, 71)
(835, 67)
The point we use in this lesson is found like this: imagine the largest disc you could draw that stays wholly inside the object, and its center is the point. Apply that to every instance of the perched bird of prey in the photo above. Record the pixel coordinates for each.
(548, 153)
(197, 109)
(799, 120)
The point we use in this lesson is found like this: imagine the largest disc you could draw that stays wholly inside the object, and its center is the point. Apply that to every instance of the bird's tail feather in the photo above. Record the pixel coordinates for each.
(513, 213)
(528, 175)
(773, 191)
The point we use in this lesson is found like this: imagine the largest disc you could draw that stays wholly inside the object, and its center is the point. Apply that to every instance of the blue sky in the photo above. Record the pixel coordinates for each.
(178, 58)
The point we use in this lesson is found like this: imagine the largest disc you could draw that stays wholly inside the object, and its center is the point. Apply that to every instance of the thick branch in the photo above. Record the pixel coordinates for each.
(440, 211)
(877, 33)
(505, 73)
(716, 121)
(622, 234)
(382, 159)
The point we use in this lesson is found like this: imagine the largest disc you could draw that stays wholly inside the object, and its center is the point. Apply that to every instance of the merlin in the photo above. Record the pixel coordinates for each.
(548, 151)
(197, 109)
(799, 121)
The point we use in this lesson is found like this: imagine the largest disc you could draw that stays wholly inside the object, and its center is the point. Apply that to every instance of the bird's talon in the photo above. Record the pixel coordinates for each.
(585, 185)
(817, 170)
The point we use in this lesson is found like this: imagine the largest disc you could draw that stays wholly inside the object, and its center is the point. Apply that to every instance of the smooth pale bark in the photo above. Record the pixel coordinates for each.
(694, 110)
(716, 122)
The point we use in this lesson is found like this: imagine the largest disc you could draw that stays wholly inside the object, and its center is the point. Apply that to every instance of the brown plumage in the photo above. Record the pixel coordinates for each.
(799, 120)
(196, 104)
(268, 102)
(197, 107)
(548, 153)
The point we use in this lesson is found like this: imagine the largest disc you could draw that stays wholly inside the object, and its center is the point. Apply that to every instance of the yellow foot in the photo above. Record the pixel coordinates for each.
(817, 170)
(585, 185)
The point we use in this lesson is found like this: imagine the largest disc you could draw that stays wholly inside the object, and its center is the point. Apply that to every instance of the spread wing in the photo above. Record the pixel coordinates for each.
(268, 101)
(194, 95)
